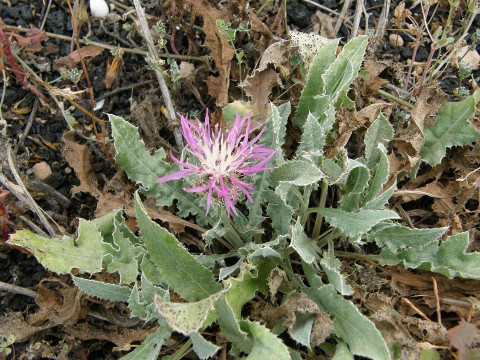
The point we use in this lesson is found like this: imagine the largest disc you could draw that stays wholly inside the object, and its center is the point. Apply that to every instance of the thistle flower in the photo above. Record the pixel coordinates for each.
(220, 161)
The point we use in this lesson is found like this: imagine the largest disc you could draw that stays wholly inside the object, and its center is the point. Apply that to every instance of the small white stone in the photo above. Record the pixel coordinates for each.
(99, 8)
(42, 170)
(395, 40)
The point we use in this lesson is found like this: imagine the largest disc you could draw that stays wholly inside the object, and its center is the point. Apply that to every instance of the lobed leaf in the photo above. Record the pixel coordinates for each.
(122, 254)
(354, 224)
(379, 133)
(145, 169)
(186, 318)
(62, 255)
(307, 248)
(265, 344)
(331, 265)
(203, 348)
(452, 259)
(452, 128)
(273, 138)
(314, 85)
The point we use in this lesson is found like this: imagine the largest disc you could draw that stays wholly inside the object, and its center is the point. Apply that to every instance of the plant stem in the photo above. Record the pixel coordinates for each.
(394, 98)
(181, 352)
(259, 11)
(321, 204)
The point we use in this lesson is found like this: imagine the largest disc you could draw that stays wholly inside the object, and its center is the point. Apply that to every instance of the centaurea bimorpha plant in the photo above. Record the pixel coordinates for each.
(219, 161)
(283, 245)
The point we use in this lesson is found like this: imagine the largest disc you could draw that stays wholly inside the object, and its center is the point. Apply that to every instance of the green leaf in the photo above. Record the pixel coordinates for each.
(342, 352)
(314, 82)
(452, 128)
(275, 131)
(203, 348)
(302, 328)
(101, 290)
(355, 329)
(381, 200)
(379, 133)
(145, 169)
(280, 213)
(62, 255)
(314, 135)
(415, 248)
(151, 346)
(398, 237)
(381, 174)
(297, 172)
(273, 138)
(230, 327)
(141, 303)
(331, 265)
(356, 184)
(265, 344)
(180, 270)
(452, 259)
(344, 69)
(354, 224)
(122, 255)
(307, 248)
(186, 318)
(243, 288)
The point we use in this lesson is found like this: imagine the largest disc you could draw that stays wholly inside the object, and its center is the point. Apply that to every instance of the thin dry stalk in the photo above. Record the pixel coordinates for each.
(145, 31)
(21, 192)
(359, 6)
(343, 14)
(383, 20)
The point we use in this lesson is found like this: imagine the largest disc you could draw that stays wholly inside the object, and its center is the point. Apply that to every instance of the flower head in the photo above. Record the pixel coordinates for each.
(223, 159)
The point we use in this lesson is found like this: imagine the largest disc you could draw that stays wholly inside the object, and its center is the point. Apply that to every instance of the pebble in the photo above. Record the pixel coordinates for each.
(99, 8)
(42, 170)
(395, 40)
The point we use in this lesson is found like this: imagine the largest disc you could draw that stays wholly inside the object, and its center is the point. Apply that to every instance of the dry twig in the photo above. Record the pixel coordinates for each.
(144, 29)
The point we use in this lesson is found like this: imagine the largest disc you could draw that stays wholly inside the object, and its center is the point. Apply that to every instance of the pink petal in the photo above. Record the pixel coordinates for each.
(174, 176)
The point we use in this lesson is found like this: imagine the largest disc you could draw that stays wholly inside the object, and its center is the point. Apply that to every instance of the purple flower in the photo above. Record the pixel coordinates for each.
(223, 160)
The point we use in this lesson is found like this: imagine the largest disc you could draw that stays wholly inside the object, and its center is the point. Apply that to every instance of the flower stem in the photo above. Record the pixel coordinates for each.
(319, 218)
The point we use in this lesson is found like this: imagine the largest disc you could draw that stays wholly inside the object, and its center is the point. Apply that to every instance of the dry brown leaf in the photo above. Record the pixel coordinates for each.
(469, 57)
(222, 51)
(187, 70)
(323, 25)
(394, 331)
(67, 93)
(351, 120)
(62, 307)
(174, 222)
(276, 55)
(259, 87)
(121, 337)
(32, 40)
(15, 324)
(73, 58)
(80, 158)
(112, 70)
(264, 35)
(461, 338)
(275, 279)
(373, 81)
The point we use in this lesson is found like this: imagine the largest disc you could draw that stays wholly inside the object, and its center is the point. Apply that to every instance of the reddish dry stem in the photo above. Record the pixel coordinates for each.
(17, 70)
